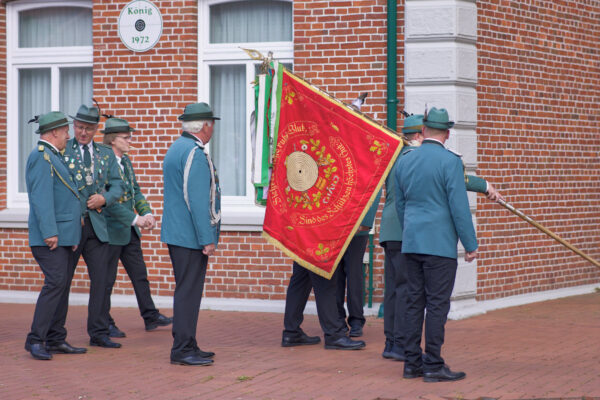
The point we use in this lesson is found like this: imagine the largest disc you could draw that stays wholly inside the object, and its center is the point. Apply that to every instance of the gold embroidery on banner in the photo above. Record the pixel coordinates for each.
(311, 200)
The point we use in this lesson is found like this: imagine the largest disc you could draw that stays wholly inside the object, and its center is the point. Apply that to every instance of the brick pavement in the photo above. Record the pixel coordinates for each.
(544, 350)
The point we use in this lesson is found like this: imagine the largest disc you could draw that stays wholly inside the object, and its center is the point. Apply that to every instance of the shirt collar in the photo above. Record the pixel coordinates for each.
(435, 141)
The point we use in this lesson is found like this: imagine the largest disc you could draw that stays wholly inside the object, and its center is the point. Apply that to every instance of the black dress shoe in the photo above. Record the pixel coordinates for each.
(443, 375)
(412, 373)
(104, 341)
(395, 352)
(65, 348)
(160, 320)
(38, 351)
(204, 354)
(345, 343)
(356, 331)
(114, 331)
(192, 359)
(299, 340)
(386, 349)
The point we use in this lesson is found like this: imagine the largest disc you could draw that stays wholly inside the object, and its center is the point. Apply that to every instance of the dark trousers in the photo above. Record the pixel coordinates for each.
(189, 268)
(301, 282)
(394, 300)
(430, 284)
(95, 255)
(350, 274)
(48, 322)
(133, 261)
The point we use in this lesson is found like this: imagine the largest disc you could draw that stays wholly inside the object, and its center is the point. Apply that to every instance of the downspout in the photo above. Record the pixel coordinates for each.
(392, 98)
(392, 53)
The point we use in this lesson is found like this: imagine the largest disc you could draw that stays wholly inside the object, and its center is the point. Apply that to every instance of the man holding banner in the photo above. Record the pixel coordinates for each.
(434, 213)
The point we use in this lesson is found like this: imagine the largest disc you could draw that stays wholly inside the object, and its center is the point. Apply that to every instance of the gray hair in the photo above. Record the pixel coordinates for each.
(196, 125)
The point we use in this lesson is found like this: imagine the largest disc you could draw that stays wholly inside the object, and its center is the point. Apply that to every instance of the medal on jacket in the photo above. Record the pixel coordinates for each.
(89, 180)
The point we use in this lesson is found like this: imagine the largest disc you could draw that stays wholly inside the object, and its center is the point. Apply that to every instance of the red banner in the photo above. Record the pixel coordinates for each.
(329, 164)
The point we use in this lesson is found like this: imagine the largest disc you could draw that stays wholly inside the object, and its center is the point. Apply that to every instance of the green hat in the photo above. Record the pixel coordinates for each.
(197, 111)
(116, 125)
(413, 124)
(87, 114)
(49, 121)
(437, 119)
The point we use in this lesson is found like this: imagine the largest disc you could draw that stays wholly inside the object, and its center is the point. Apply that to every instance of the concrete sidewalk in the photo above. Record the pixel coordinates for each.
(546, 350)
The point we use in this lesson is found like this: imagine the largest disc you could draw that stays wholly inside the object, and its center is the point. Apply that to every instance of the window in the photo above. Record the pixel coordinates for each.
(49, 68)
(225, 73)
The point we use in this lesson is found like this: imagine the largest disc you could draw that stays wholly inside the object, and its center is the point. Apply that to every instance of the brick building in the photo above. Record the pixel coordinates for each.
(520, 78)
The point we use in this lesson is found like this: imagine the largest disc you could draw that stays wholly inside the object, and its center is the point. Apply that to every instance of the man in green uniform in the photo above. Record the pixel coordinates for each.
(96, 174)
(390, 238)
(190, 226)
(54, 233)
(124, 231)
(433, 210)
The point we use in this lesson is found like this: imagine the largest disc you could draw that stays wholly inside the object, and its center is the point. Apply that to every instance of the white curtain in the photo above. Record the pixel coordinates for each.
(75, 90)
(34, 99)
(228, 144)
(251, 21)
(55, 26)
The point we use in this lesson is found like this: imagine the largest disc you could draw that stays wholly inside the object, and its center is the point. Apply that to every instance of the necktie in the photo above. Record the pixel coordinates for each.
(124, 167)
(87, 157)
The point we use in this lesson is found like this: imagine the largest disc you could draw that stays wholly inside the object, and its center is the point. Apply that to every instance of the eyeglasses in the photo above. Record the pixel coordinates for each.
(88, 129)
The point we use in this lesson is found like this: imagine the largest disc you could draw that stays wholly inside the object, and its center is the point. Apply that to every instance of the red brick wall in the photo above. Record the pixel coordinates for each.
(538, 140)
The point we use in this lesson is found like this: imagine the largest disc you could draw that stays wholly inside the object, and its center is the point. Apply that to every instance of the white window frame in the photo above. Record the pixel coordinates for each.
(239, 212)
(26, 58)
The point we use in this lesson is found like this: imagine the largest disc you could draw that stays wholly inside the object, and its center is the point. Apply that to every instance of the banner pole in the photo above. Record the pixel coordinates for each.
(548, 232)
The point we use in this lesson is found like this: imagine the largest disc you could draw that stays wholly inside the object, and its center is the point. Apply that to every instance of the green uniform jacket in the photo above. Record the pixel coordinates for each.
(121, 214)
(390, 225)
(53, 200)
(188, 224)
(432, 203)
(106, 181)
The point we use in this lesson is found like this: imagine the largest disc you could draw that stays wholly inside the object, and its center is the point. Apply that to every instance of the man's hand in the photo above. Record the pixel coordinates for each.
(470, 256)
(96, 201)
(493, 194)
(74, 248)
(209, 249)
(52, 242)
(150, 221)
(141, 221)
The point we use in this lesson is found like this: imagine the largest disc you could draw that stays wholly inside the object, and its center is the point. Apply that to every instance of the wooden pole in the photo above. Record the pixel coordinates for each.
(548, 232)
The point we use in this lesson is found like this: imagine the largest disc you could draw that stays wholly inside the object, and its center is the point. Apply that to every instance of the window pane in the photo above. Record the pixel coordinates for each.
(75, 90)
(34, 99)
(55, 26)
(228, 144)
(251, 21)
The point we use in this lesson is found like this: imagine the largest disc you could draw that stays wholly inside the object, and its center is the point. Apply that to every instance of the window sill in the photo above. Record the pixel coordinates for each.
(14, 218)
(235, 218)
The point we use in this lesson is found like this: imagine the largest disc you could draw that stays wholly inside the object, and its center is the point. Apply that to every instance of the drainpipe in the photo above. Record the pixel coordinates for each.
(392, 47)
(392, 98)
